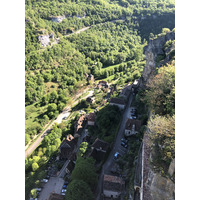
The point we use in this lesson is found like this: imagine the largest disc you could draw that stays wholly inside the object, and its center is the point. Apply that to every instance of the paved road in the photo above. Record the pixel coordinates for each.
(116, 147)
(65, 113)
(53, 185)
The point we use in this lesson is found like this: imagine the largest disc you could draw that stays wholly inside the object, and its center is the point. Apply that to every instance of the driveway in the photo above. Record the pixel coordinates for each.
(54, 184)
(116, 147)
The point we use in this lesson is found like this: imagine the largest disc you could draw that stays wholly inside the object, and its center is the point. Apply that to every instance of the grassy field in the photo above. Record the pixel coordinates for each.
(50, 87)
(31, 115)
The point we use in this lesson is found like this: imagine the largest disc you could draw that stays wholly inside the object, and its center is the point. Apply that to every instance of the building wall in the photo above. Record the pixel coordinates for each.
(129, 132)
(108, 193)
(90, 123)
(119, 105)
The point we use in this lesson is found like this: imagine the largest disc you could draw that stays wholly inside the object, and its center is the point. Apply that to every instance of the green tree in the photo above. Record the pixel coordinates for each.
(33, 193)
(160, 95)
(165, 30)
(35, 166)
(83, 148)
(78, 189)
(27, 139)
(162, 133)
(85, 170)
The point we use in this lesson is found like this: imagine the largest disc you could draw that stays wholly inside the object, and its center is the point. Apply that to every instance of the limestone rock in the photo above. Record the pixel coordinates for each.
(58, 19)
(44, 40)
(162, 188)
(152, 50)
(171, 169)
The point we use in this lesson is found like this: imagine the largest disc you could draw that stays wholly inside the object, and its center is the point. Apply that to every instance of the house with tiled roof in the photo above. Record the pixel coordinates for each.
(113, 186)
(79, 124)
(55, 196)
(70, 167)
(118, 102)
(99, 149)
(126, 91)
(90, 100)
(67, 147)
(102, 84)
(91, 118)
(132, 127)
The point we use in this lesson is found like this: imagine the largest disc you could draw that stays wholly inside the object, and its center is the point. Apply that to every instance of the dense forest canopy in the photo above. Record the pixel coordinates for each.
(54, 72)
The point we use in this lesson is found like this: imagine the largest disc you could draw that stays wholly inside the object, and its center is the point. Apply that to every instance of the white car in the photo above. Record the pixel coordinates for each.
(63, 193)
(38, 189)
(45, 180)
(64, 190)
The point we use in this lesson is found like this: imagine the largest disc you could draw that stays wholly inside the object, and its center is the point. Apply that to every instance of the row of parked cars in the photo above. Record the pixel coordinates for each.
(64, 188)
(133, 113)
(45, 180)
(124, 143)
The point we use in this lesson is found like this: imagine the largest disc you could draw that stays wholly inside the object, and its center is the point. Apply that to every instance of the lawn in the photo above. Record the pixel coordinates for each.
(32, 114)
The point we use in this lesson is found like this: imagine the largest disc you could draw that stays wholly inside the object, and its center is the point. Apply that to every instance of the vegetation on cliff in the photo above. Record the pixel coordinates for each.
(159, 96)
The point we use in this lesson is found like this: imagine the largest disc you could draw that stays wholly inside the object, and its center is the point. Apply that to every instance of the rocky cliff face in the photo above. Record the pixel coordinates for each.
(155, 186)
(152, 185)
(155, 51)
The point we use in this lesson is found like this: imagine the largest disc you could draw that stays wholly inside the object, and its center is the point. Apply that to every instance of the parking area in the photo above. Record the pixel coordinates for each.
(131, 111)
(54, 185)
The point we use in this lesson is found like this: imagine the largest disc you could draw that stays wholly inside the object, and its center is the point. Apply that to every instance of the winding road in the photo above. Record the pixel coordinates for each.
(66, 112)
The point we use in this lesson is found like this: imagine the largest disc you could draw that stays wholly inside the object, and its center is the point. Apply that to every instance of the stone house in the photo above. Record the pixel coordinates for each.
(99, 149)
(79, 124)
(132, 127)
(70, 167)
(55, 196)
(91, 119)
(126, 91)
(112, 186)
(67, 147)
(90, 100)
(118, 102)
(102, 84)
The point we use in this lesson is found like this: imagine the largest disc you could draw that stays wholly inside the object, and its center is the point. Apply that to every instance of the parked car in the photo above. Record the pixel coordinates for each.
(64, 186)
(45, 180)
(124, 145)
(47, 177)
(116, 156)
(38, 189)
(64, 190)
(63, 193)
(66, 183)
(124, 140)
